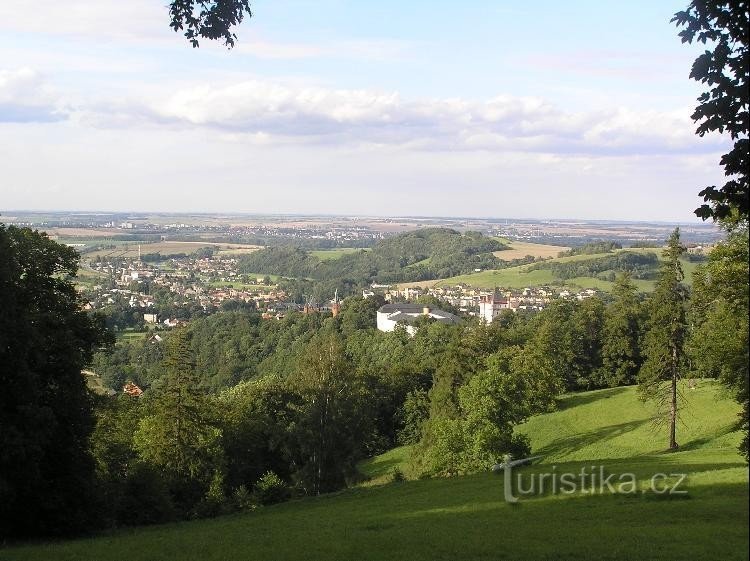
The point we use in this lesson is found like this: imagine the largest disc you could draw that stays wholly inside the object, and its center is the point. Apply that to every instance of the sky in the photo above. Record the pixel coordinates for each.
(542, 109)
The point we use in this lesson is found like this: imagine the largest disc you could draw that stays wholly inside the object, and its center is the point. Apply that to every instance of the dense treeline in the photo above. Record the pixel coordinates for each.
(239, 412)
(591, 248)
(637, 265)
(422, 255)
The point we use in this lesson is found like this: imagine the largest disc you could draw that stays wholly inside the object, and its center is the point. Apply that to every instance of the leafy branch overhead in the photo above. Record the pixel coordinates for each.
(208, 19)
(724, 107)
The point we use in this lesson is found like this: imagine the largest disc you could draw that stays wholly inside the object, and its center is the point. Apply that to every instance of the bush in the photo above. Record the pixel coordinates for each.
(145, 498)
(397, 476)
(271, 489)
(215, 502)
(242, 499)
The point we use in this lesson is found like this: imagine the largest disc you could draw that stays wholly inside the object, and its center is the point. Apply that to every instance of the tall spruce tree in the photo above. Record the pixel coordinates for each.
(623, 324)
(665, 339)
(181, 435)
(46, 470)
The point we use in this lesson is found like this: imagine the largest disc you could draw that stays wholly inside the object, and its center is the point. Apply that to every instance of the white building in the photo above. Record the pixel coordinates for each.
(491, 306)
(390, 315)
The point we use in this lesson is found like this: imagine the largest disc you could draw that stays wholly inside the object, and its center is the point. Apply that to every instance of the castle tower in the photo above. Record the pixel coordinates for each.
(336, 305)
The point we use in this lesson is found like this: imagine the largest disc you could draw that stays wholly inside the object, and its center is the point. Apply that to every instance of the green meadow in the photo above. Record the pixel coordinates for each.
(523, 276)
(468, 518)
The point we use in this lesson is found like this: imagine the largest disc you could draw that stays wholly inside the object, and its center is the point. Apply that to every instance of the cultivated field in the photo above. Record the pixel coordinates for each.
(467, 517)
(519, 250)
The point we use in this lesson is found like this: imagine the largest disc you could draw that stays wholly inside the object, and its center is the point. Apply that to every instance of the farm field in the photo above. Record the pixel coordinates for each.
(519, 250)
(467, 517)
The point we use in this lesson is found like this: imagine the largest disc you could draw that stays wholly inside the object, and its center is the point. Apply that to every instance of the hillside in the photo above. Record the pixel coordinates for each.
(550, 272)
(420, 255)
(467, 518)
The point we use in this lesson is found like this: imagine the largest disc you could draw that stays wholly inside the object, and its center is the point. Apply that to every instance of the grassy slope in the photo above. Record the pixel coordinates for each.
(522, 277)
(466, 518)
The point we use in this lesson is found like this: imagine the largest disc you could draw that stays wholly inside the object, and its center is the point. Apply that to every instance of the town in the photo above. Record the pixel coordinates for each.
(168, 293)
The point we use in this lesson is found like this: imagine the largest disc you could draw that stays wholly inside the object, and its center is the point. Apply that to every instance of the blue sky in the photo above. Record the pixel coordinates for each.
(542, 110)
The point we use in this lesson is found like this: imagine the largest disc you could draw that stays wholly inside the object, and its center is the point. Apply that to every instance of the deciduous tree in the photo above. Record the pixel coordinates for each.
(208, 19)
(718, 345)
(724, 107)
(46, 339)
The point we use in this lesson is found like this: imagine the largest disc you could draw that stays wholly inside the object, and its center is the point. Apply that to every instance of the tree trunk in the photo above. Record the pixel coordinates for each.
(673, 405)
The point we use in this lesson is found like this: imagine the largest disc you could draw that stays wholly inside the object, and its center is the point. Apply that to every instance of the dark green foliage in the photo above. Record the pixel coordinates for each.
(208, 19)
(664, 342)
(46, 469)
(591, 248)
(145, 497)
(271, 489)
(639, 265)
(180, 433)
(287, 261)
(724, 106)
(622, 335)
(332, 416)
(719, 342)
(413, 256)
(415, 411)
(258, 419)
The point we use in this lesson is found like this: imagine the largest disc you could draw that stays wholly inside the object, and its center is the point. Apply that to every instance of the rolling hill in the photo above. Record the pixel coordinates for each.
(540, 274)
(467, 518)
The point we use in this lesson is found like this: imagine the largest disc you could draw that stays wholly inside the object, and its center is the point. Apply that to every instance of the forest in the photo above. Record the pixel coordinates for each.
(238, 412)
(429, 253)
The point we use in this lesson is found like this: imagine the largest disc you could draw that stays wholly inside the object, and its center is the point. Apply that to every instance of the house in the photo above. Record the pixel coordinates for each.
(132, 390)
(150, 318)
(390, 315)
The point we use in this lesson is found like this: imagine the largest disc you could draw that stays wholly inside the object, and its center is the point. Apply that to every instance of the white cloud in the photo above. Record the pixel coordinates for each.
(25, 97)
(133, 19)
(283, 113)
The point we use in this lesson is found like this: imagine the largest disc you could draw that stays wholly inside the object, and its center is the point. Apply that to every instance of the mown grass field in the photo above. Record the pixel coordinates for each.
(131, 335)
(467, 517)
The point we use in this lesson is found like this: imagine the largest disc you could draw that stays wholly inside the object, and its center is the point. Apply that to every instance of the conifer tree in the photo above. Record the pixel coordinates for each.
(180, 436)
(665, 339)
(621, 353)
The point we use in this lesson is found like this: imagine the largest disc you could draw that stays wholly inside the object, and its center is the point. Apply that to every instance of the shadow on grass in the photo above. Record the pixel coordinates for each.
(574, 400)
(570, 444)
(605, 526)
(701, 442)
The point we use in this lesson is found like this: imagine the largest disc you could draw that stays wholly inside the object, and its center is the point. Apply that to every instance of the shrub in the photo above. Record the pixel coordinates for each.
(271, 489)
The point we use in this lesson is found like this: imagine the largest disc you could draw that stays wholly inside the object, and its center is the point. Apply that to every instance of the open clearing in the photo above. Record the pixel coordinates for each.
(519, 250)
(467, 517)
